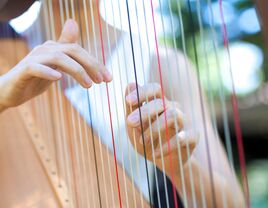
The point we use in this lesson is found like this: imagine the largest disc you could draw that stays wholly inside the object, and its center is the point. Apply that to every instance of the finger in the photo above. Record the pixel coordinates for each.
(145, 93)
(172, 119)
(94, 69)
(130, 87)
(44, 72)
(70, 32)
(148, 111)
(68, 65)
(181, 140)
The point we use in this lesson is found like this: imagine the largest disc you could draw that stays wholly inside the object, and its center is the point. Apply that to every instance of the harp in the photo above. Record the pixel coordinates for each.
(80, 135)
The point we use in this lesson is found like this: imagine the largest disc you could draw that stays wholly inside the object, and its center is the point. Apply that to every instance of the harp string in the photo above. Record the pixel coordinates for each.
(69, 156)
(211, 99)
(108, 56)
(61, 120)
(38, 101)
(99, 139)
(193, 116)
(221, 90)
(202, 106)
(147, 100)
(62, 128)
(77, 121)
(49, 35)
(222, 95)
(234, 101)
(95, 103)
(58, 100)
(138, 98)
(142, 62)
(62, 150)
(109, 107)
(79, 145)
(82, 41)
(164, 105)
(43, 104)
(176, 125)
(128, 143)
(107, 155)
(90, 117)
(172, 97)
(183, 107)
(84, 122)
(54, 97)
(122, 97)
(73, 141)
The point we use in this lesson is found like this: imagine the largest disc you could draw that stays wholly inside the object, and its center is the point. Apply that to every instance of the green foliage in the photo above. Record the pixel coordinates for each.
(209, 57)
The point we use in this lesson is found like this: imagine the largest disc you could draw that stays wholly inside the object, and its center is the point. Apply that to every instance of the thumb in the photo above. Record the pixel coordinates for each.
(70, 32)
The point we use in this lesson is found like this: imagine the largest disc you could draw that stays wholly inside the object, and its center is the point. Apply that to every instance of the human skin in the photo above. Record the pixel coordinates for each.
(45, 65)
(185, 133)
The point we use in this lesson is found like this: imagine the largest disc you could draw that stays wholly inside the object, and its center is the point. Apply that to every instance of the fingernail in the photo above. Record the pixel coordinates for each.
(87, 81)
(107, 76)
(134, 118)
(55, 74)
(131, 98)
(99, 77)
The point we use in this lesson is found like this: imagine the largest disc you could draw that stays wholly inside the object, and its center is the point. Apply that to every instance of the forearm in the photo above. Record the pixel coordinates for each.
(197, 183)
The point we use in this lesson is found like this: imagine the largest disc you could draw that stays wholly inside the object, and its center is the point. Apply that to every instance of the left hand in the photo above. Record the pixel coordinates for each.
(154, 130)
(45, 65)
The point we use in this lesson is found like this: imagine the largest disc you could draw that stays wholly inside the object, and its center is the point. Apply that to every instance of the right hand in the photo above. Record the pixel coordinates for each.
(151, 107)
(45, 64)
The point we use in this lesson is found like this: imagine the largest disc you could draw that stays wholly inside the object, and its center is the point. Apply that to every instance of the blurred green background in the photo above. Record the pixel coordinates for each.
(249, 69)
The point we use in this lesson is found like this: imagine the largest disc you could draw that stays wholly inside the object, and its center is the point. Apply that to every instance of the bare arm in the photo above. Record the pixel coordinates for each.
(227, 189)
(181, 87)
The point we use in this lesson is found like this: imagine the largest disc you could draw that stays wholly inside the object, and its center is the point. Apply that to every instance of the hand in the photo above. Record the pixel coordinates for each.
(45, 64)
(151, 106)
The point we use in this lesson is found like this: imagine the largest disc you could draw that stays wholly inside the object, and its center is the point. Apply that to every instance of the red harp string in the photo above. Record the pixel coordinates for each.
(109, 106)
(164, 105)
(238, 131)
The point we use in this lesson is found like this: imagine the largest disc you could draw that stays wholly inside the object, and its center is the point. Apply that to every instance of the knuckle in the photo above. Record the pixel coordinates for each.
(37, 48)
(157, 87)
(49, 42)
(74, 47)
(159, 102)
(57, 55)
(176, 114)
(78, 71)
(145, 110)
(172, 113)
(29, 67)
